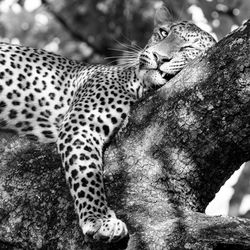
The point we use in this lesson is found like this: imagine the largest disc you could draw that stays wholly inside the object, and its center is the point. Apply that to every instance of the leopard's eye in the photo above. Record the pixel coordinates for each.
(163, 33)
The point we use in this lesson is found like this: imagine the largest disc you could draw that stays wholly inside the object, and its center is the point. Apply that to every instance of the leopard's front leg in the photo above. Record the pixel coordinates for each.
(81, 152)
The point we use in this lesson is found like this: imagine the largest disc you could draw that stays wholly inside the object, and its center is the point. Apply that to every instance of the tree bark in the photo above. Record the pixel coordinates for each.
(180, 146)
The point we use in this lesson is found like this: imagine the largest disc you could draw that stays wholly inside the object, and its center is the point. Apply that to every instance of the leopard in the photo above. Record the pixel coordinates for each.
(52, 99)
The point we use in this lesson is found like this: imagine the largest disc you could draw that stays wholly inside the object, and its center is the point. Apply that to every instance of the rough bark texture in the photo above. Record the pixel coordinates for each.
(179, 147)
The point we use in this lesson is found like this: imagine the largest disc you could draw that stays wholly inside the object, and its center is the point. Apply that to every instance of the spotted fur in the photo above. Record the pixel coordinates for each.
(52, 99)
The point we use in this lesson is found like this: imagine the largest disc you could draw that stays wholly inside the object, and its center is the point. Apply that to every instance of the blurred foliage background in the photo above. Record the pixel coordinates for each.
(87, 30)
(92, 30)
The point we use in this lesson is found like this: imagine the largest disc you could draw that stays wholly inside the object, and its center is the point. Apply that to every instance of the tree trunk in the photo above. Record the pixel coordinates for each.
(180, 146)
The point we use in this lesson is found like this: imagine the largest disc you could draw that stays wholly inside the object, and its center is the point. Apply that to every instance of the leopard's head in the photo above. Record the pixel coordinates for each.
(172, 45)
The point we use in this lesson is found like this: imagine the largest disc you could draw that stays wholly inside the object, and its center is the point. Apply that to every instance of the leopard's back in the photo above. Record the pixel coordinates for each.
(36, 89)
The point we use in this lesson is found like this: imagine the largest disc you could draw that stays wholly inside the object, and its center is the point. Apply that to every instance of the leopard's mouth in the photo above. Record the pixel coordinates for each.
(154, 76)
(165, 75)
(156, 72)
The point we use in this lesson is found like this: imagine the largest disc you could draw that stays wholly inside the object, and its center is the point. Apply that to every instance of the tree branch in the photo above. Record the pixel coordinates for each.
(184, 142)
(217, 229)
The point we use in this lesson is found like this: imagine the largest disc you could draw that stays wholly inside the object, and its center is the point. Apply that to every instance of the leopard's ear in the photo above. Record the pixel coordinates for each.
(163, 16)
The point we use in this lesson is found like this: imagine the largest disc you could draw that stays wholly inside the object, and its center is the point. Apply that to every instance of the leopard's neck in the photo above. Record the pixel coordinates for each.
(127, 78)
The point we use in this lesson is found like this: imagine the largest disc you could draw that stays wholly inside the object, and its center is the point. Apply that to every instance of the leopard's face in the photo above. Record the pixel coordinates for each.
(171, 46)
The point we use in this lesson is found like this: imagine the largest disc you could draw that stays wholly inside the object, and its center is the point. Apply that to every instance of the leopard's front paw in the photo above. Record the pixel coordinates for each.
(106, 229)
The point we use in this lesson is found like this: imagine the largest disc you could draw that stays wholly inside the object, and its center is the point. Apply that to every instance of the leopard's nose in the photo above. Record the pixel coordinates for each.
(161, 59)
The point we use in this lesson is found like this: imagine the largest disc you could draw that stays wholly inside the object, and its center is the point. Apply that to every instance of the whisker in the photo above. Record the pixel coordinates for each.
(124, 57)
(130, 47)
(121, 58)
(126, 38)
(129, 64)
(129, 56)
(109, 63)
(122, 63)
(127, 51)
(133, 44)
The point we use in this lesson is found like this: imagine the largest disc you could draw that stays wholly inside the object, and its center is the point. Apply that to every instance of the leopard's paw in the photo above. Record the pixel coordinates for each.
(106, 230)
